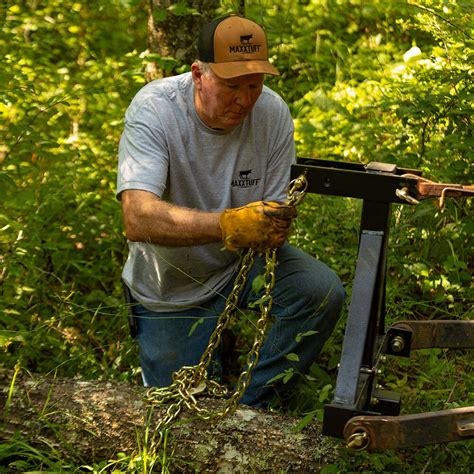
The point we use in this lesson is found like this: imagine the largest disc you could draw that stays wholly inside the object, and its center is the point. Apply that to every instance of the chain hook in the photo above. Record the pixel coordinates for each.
(297, 190)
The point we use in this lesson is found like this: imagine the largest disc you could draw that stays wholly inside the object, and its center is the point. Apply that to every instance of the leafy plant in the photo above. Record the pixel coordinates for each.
(365, 81)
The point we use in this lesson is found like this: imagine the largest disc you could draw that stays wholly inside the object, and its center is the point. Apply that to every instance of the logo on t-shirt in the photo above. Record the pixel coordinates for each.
(244, 180)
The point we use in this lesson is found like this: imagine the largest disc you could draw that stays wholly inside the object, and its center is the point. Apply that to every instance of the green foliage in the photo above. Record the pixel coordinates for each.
(383, 81)
(66, 80)
(20, 456)
(386, 82)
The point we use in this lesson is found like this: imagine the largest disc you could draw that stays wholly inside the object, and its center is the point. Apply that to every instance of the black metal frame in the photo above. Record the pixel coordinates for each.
(366, 339)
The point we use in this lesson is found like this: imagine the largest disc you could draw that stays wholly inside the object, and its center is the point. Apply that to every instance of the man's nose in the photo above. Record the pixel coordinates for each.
(244, 98)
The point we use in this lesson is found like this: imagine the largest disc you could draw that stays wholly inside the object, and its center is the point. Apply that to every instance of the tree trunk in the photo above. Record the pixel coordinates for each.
(90, 421)
(173, 31)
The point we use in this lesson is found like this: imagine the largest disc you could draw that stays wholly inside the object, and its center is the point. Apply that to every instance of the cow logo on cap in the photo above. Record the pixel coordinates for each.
(245, 46)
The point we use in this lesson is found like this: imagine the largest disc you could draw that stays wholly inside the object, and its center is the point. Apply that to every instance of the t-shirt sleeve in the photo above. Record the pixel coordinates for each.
(143, 152)
(282, 155)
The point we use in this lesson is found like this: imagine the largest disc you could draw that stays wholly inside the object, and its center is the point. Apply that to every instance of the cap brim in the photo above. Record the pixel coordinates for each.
(228, 70)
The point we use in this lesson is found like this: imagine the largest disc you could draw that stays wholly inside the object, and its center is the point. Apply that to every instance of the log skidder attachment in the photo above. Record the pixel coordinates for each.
(404, 431)
(362, 412)
(189, 382)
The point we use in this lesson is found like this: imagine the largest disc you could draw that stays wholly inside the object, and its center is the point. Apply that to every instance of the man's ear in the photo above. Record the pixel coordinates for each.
(196, 75)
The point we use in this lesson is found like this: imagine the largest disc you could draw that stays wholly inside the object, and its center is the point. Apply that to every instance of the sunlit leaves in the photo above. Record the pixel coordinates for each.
(65, 84)
(383, 80)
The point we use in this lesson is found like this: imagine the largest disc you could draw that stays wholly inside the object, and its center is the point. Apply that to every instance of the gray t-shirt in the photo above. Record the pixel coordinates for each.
(166, 149)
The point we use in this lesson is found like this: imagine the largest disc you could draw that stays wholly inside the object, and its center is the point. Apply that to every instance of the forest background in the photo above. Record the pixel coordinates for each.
(365, 81)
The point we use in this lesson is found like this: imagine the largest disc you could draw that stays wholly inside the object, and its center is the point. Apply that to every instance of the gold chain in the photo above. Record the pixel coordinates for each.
(192, 380)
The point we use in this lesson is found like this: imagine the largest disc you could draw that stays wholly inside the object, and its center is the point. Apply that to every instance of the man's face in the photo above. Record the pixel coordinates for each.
(224, 103)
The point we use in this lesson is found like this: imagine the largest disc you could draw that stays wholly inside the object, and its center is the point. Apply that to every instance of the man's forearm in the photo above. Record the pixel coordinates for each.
(149, 219)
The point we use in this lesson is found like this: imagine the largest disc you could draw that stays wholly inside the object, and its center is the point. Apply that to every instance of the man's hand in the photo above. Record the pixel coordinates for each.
(259, 225)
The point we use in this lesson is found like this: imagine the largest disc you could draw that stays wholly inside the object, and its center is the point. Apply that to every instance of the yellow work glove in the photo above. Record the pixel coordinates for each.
(259, 225)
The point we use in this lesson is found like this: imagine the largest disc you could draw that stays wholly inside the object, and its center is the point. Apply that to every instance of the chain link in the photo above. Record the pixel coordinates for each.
(190, 381)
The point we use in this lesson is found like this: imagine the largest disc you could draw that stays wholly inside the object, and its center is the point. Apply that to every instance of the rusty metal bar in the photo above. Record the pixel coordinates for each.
(439, 333)
(386, 432)
(427, 189)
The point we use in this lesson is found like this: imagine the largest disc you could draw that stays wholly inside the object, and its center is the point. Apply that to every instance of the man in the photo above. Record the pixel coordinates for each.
(204, 160)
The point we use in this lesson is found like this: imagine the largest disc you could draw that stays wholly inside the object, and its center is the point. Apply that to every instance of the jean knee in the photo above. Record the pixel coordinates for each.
(153, 356)
(337, 298)
(322, 290)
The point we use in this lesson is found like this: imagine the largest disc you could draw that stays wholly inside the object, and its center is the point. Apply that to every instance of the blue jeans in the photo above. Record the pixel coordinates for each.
(307, 297)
